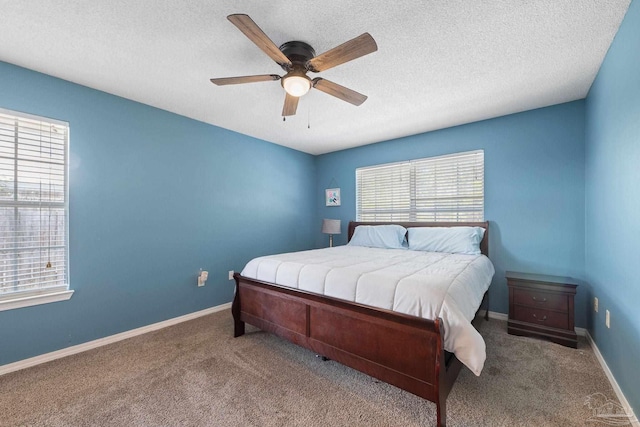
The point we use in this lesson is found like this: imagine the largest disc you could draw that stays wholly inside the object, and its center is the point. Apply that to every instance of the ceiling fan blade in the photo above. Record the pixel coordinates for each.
(290, 105)
(348, 51)
(244, 79)
(334, 89)
(257, 36)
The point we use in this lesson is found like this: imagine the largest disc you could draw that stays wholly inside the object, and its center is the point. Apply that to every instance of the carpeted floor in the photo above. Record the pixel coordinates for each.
(197, 374)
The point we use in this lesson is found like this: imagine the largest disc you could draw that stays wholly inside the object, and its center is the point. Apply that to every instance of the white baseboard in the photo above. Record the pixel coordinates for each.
(616, 388)
(498, 316)
(47, 357)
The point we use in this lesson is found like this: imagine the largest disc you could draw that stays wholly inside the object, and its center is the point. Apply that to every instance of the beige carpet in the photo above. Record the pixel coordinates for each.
(197, 374)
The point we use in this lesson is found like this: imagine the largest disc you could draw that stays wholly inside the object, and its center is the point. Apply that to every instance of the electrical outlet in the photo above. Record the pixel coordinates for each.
(202, 277)
(230, 274)
(595, 304)
(607, 320)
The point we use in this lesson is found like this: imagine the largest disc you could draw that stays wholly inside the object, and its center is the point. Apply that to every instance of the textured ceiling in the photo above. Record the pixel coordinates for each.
(438, 64)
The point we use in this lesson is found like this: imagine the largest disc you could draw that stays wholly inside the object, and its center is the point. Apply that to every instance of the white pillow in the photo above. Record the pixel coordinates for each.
(379, 236)
(455, 240)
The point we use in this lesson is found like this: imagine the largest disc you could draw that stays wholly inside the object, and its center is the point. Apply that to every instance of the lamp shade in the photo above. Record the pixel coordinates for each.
(331, 226)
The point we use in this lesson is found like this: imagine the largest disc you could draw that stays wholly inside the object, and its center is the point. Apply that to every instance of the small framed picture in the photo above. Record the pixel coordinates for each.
(332, 196)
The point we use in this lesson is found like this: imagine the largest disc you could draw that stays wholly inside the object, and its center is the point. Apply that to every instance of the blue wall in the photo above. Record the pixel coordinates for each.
(534, 189)
(613, 204)
(154, 197)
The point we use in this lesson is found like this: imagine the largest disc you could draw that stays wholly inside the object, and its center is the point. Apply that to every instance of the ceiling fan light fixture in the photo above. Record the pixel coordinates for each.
(296, 84)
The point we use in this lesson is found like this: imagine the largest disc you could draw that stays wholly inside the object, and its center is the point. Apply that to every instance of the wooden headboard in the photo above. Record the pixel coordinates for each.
(484, 244)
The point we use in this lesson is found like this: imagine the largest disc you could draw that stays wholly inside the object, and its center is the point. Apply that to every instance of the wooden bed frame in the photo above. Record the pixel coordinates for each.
(402, 350)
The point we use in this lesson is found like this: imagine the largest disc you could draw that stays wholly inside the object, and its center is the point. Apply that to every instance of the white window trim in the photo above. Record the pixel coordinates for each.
(28, 301)
(57, 293)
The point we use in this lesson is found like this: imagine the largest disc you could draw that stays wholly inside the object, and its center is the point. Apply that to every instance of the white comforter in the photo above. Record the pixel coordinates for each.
(423, 284)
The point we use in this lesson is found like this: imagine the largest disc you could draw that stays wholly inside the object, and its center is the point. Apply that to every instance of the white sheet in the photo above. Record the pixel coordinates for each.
(423, 284)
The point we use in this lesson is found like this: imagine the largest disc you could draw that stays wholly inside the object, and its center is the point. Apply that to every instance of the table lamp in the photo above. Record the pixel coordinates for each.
(331, 227)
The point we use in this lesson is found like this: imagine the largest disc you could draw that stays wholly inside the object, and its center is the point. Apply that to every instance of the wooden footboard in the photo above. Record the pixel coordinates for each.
(402, 350)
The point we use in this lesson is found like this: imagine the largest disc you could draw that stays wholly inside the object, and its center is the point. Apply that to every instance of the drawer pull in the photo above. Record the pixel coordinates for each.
(539, 300)
(540, 320)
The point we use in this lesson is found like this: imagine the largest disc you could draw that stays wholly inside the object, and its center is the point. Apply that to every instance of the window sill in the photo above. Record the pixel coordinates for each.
(28, 301)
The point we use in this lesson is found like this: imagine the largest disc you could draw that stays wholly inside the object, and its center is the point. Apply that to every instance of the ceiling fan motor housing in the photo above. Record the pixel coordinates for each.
(296, 82)
(298, 53)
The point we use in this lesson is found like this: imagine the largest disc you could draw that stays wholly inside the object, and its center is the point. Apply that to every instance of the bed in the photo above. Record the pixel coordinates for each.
(401, 349)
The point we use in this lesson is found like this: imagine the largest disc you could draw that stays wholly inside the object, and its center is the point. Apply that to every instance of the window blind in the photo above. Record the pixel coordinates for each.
(446, 188)
(33, 205)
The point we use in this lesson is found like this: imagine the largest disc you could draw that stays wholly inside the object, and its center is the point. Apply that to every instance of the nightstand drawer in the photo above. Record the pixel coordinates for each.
(543, 300)
(551, 319)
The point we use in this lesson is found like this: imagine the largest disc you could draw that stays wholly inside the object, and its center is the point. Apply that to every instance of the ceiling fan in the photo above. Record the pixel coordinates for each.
(297, 59)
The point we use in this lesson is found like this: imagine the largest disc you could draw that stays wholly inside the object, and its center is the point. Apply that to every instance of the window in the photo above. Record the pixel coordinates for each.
(33, 210)
(445, 188)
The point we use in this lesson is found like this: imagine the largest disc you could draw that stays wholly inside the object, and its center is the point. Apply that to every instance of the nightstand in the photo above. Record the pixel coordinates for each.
(542, 306)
